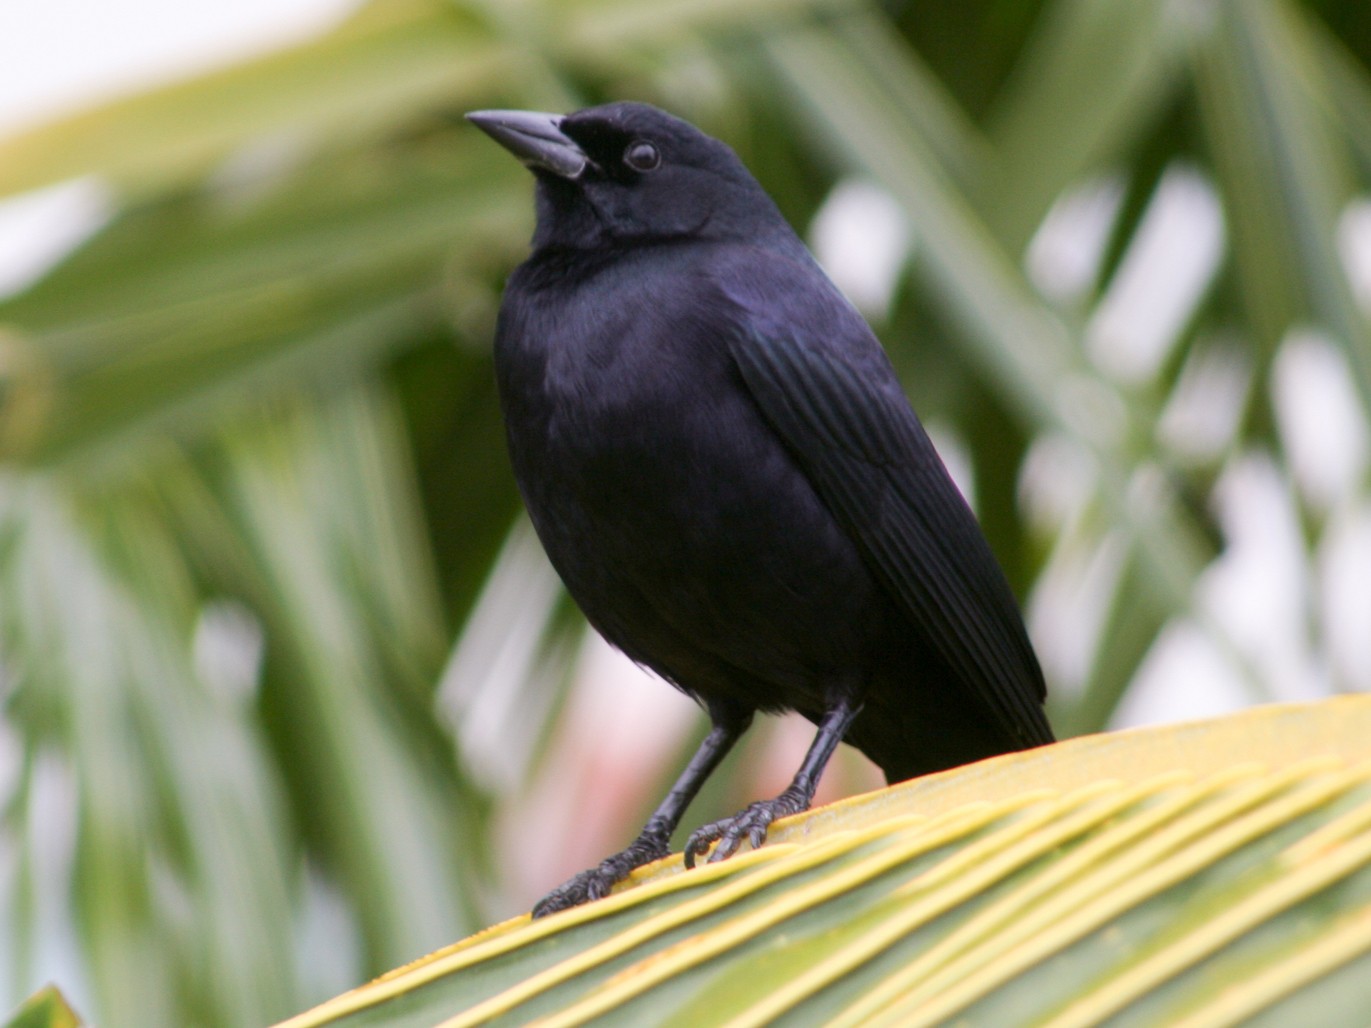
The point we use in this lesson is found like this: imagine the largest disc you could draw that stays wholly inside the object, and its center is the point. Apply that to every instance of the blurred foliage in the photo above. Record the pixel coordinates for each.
(253, 490)
(45, 1009)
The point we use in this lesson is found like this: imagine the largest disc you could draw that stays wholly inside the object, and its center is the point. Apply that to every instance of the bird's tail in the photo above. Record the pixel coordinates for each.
(907, 739)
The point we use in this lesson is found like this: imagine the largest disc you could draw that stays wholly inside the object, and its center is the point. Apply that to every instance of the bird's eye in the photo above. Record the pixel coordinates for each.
(642, 156)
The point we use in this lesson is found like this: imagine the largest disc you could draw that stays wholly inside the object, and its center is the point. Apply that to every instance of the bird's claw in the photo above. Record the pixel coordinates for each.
(751, 823)
(584, 887)
(597, 882)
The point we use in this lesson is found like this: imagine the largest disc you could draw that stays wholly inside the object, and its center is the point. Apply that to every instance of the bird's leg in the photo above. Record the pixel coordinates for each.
(654, 840)
(752, 822)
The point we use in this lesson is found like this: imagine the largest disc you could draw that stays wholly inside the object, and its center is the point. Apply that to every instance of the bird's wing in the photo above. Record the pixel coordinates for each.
(840, 409)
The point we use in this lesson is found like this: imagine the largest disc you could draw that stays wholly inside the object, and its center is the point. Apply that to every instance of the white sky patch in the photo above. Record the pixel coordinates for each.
(227, 648)
(1259, 589)
(1344, 559)
(1322, 425)
(50, 839)
(327, 940)
(1184, 677)
(956, 458)
(861, 237)
(1168, 266)
(1259, 593)
(38, 229)
(1056, 480)
(1067, 610)
(1064, 255)
(1354, 246)
(482, 689)
(59, 55)
(1200, 419)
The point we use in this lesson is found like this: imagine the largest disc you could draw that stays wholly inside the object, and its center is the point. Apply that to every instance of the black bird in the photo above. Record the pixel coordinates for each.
(725, 472)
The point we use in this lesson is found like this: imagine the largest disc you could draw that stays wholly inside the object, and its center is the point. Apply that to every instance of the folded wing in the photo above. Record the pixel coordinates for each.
(838, 406)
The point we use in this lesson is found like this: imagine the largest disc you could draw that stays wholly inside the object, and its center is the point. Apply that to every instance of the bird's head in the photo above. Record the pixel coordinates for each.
(628, 172)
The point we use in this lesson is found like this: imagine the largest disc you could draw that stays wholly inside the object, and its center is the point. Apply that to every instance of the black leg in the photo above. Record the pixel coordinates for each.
(753, 822)
(654, 840)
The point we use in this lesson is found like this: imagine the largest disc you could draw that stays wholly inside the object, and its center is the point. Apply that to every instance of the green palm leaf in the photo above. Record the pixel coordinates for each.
(1206, 873)
(45, 1009)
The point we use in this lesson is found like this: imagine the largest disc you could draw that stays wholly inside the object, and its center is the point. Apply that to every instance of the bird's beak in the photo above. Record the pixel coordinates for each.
(535, 138)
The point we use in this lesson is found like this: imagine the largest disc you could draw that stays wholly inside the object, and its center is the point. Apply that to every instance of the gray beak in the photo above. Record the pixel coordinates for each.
(535, 138)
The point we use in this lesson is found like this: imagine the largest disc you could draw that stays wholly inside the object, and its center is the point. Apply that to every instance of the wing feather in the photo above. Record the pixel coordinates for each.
(841, 411)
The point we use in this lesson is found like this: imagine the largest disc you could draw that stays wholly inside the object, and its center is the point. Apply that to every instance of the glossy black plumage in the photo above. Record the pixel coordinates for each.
(724, 470)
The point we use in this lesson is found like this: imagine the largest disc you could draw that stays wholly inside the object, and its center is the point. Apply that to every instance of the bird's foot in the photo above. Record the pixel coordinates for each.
(596, 883)
(749, 823)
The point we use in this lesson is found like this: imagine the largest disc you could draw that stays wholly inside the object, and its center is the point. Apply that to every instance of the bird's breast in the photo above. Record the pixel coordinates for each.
(655, 482)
